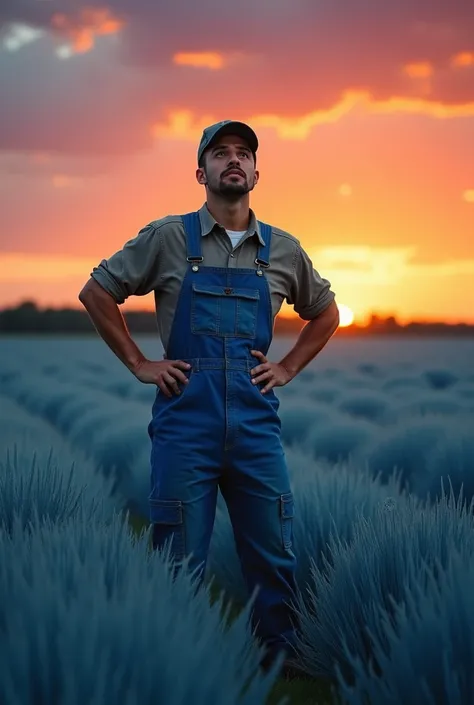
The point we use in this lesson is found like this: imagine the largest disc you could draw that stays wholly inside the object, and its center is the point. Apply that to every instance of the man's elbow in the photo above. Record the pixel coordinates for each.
(85, 291)
(331, 315)
(90, 290)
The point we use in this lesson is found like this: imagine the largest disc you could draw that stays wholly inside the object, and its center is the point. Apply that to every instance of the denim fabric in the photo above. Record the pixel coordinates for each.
(222, 432)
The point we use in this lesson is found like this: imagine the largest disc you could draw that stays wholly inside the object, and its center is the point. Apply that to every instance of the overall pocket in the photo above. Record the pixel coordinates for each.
(224, 311)
(167, 517)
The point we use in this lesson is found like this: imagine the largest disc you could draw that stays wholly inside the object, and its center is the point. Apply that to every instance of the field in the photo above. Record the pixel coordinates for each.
(379, 435)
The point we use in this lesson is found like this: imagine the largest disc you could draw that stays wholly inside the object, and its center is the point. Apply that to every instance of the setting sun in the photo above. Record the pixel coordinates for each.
(346, 315)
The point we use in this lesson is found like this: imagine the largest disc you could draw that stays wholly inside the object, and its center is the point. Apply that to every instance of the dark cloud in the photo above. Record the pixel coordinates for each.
(296, 56)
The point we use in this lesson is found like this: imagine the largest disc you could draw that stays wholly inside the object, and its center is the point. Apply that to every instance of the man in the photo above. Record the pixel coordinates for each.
(219, 277)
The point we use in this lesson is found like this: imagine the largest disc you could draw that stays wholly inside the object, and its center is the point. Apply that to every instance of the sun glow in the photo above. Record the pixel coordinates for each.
(346, 315)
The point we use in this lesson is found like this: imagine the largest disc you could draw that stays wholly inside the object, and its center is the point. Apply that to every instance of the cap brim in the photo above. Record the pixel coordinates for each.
(237, 128)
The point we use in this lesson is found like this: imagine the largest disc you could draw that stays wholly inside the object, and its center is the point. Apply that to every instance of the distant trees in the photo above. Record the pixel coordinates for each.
(28, 318)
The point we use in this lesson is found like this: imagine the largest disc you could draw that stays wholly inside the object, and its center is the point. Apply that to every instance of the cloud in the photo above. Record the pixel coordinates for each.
(20, 267)
(18, 36)
(208, 60)
(383, 266)
(291, 64)
(82, 29)
(184, 125)
(419, 69)
(463, 60)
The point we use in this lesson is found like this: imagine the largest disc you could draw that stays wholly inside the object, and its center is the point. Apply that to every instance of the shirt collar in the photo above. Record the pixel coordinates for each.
(208, 222)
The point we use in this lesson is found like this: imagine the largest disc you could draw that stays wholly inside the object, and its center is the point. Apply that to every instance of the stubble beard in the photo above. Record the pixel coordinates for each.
(230, 191)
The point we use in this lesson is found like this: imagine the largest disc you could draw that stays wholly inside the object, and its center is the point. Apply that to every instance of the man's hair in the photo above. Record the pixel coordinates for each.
(202, 161)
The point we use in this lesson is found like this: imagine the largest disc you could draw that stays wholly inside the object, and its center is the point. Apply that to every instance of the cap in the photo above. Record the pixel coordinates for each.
(227, 127)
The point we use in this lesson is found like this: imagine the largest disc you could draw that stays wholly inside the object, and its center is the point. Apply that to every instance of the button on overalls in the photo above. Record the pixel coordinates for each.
(222, 432)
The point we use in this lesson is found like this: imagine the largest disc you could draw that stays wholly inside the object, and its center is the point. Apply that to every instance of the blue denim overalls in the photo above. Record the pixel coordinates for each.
(222, 432)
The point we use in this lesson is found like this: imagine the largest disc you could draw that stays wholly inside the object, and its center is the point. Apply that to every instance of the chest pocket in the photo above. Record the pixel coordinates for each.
(224, 311)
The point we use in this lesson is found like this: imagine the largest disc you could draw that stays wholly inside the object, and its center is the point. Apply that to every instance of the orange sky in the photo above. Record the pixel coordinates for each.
(368, 160)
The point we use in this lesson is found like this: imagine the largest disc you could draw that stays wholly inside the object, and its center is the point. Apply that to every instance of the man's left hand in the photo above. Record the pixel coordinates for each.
(271, 372)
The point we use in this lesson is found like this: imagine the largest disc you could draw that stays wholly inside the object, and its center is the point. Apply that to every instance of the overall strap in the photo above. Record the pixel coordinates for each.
(192, 229)
(263, 257)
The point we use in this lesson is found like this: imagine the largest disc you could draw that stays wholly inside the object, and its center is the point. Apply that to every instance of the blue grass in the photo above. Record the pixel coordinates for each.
(440, 379)
(368, 573)
(451, 460)
(327, 499)
(403, 447)
(466, 391)
(113, 433)
(340, 440)
(370, 406)
(370, 369)
(40, 472)
(50, 487)
(90, 615)
(300, 418)
(396, 385)
(432, 404)
(427, 654)
(323, 393)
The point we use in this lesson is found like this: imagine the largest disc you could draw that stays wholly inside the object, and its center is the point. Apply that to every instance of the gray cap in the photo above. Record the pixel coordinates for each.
(227, 127)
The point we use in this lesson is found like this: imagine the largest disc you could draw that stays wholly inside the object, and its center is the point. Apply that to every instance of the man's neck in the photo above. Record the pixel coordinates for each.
(232, 216)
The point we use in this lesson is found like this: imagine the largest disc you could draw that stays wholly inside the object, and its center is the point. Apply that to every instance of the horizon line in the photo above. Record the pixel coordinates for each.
(371, 317)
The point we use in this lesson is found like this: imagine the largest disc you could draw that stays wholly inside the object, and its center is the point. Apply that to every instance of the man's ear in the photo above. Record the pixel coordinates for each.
(257, 176)
(201, 176)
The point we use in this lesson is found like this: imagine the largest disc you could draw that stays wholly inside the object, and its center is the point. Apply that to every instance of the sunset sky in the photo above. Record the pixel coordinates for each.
(364, 111)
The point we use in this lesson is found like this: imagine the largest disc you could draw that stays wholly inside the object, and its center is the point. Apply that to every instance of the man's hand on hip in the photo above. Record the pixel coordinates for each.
(271, 372)
(164, 373)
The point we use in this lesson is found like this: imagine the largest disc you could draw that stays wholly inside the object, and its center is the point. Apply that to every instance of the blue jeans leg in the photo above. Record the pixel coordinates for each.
(182, 501)
(262, 520)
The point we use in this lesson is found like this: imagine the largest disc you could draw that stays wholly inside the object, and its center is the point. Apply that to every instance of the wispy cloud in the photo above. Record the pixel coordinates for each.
(463, 60)
(82, 29)
(384, 266)
(419, 69)
(20, 35)
(186, 125)
(207, 60)
(21, 267)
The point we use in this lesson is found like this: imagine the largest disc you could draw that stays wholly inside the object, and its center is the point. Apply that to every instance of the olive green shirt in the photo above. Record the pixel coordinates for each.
(155, 260)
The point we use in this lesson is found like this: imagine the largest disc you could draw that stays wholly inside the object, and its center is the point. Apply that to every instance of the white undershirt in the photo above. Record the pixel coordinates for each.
(235, 236)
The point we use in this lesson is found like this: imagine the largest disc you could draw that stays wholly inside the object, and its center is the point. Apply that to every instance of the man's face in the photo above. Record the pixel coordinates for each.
(229, 168)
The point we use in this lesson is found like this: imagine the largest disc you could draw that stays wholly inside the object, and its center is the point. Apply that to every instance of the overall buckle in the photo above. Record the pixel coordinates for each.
(195, 259)
(261, 263)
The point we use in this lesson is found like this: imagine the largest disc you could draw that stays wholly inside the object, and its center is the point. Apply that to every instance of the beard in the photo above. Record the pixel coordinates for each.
(228, 189)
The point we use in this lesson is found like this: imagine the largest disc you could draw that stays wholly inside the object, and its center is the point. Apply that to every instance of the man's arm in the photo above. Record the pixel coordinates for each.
(314, 301)
(312, 339)
(110, 324)
(133, 270)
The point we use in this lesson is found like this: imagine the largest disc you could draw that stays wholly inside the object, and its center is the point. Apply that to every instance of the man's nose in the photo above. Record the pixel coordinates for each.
(234, 160)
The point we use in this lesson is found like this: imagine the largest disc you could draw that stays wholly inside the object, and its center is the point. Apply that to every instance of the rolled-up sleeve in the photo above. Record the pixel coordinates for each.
(311, 293)
(133, 270)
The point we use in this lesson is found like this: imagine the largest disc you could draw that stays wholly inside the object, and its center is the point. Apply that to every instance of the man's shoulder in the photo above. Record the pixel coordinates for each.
(284, 238)
(165, 221)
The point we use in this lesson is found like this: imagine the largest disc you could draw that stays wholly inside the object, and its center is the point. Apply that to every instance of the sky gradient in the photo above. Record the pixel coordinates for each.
(365, 114)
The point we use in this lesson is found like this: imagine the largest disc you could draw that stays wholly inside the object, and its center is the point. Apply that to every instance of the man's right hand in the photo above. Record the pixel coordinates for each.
(164, 373)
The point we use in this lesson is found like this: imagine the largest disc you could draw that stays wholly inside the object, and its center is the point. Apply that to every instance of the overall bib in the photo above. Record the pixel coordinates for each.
(222, 432)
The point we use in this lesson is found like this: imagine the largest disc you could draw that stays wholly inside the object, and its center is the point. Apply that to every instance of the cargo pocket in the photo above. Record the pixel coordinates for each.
(287, 513)
(167, 518)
